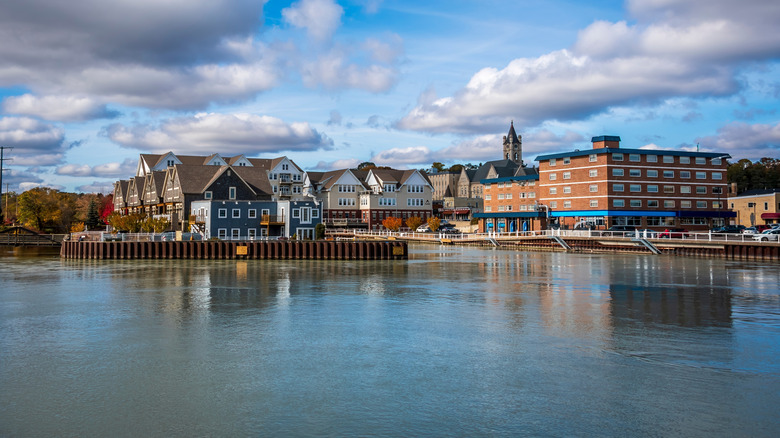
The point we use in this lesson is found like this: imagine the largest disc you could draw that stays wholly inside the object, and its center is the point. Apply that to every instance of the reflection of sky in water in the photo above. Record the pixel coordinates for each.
(454, 341)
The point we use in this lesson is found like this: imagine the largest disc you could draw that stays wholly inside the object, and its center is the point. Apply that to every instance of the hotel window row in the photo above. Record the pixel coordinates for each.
(653, 173)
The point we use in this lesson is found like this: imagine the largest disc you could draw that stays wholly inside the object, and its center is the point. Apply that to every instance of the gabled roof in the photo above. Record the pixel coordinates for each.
(256, 178)
(193, 178)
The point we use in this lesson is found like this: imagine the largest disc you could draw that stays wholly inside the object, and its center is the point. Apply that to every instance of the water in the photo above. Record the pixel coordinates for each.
(454, 342)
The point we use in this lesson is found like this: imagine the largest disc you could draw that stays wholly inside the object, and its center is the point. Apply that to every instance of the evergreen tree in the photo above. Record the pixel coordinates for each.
(93, 218)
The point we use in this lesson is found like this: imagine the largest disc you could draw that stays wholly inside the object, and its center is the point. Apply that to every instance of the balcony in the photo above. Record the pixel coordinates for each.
(285, 178)
(268, 219)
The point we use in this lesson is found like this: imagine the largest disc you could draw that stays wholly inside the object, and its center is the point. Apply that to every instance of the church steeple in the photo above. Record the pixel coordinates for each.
(513, 145)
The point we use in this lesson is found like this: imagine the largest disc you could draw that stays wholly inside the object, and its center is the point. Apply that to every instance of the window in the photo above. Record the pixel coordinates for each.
(668, 204)
(618, 203)
(222, 233)
(701, 204)
(685, 160)
(701, 175)
(567, 189)
(553, 190)
(701, 190)
(617, 157)
(387, 202)
(285, 167)
(553, 177)
(635, 172)
(635, 203)
(766, 206)
(617, 172)
(652, 203)
(715, 161)
(668, 189)
(593, 173)
(252, 214)
(566, 175)
(717, 204)
(508, 196)
(553, 204)
(488, 197)
(251, 233)
(593, 158)
(235, 234)
(488, 209)
(207, 195)
(652, 158)
(389, 187)
(685, 189)
(222, 213)
(652, 188)
(668, 159)
(414, 202)
(617, 187)
(634, 157)
(500, 196)
(566, 204)
(668, 173)
(717, 175)
(701, 160)
(593, 188)
(594, 203)
(566, 160)
(232, 194)
(635, 188)
(346, 189)
(717, 190)
(414, 189)
(652, 173)
(236, 213)
(552, 161)
(346, 202)
(685, 204)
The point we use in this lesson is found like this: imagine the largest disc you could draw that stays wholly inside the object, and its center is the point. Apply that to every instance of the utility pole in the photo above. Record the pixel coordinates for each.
(2, 159)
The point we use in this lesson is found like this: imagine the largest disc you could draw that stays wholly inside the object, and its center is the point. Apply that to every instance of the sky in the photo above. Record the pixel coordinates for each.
(88, 85)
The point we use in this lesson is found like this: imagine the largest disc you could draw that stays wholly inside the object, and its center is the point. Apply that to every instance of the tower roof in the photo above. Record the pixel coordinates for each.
(512, 136)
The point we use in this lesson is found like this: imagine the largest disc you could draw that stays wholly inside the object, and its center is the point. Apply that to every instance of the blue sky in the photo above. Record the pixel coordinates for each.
(86, 86)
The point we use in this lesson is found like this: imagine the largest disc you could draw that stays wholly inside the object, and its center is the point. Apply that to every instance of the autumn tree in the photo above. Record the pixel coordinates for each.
(131, 222)
(93, 218)
(106, 207)
(39, 208)
(434, 223)
(392, 223)
(414, 221)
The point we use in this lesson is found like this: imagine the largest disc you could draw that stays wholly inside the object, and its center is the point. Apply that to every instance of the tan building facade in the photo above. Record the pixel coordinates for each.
(756, 207)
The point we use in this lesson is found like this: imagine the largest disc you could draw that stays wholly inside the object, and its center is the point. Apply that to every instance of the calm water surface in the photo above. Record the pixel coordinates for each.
(453, 342)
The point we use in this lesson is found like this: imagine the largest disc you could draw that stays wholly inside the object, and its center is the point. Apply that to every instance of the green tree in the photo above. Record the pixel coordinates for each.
(456, 168)
(319, 231)
(93, 218)
(437, 166)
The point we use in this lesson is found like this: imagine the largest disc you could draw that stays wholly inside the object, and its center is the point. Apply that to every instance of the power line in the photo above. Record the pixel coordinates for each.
(2, 159)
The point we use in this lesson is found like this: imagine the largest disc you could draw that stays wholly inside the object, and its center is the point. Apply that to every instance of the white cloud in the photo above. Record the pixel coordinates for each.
(347, 163)
(107, 170)
(743, 140)
(673, 50)
(104, 187)
(60, 108)
(33, 142)
(320, 18)
(402, 157)
(224, 133)
(334, 70)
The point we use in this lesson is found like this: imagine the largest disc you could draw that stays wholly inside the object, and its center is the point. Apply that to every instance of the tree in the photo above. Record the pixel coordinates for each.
(434, 223)
(392, 223)
(414, 222)
(131, 222)
(93, 218)
(437, 166)
(106, 207)
(366, 165)
(319, 231)
(456, 168)
(39, 208)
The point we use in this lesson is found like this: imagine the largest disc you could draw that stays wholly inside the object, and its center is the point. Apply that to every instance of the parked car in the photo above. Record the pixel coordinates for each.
(768, 235)
(620, 229)
(423, 229)
(644, 234)
(730, 229)
(674, 233)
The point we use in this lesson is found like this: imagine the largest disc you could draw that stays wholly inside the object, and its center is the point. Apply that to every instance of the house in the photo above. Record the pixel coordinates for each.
(251, 220)
(756, 207)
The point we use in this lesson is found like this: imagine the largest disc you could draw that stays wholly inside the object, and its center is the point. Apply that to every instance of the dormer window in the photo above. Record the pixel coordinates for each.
(171, 163)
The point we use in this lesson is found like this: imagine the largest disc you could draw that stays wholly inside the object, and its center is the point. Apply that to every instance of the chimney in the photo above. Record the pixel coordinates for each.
(606, 141)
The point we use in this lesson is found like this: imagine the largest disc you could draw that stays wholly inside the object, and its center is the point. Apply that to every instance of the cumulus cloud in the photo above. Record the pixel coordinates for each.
(673, 50)
(223, 133)
(107, 170)
(335, 118)
(743, 140)
(104, 187)
(33, 142)
(59, 108)
(16, 178)
(170, 55)
(320, 18)
(347, 163)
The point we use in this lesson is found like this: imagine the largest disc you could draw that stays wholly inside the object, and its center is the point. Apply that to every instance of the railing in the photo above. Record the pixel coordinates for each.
(31, 239)
(701, 236)
(266, 219)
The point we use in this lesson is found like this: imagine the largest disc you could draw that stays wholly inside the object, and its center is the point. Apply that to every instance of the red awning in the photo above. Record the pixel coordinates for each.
(770, 215)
